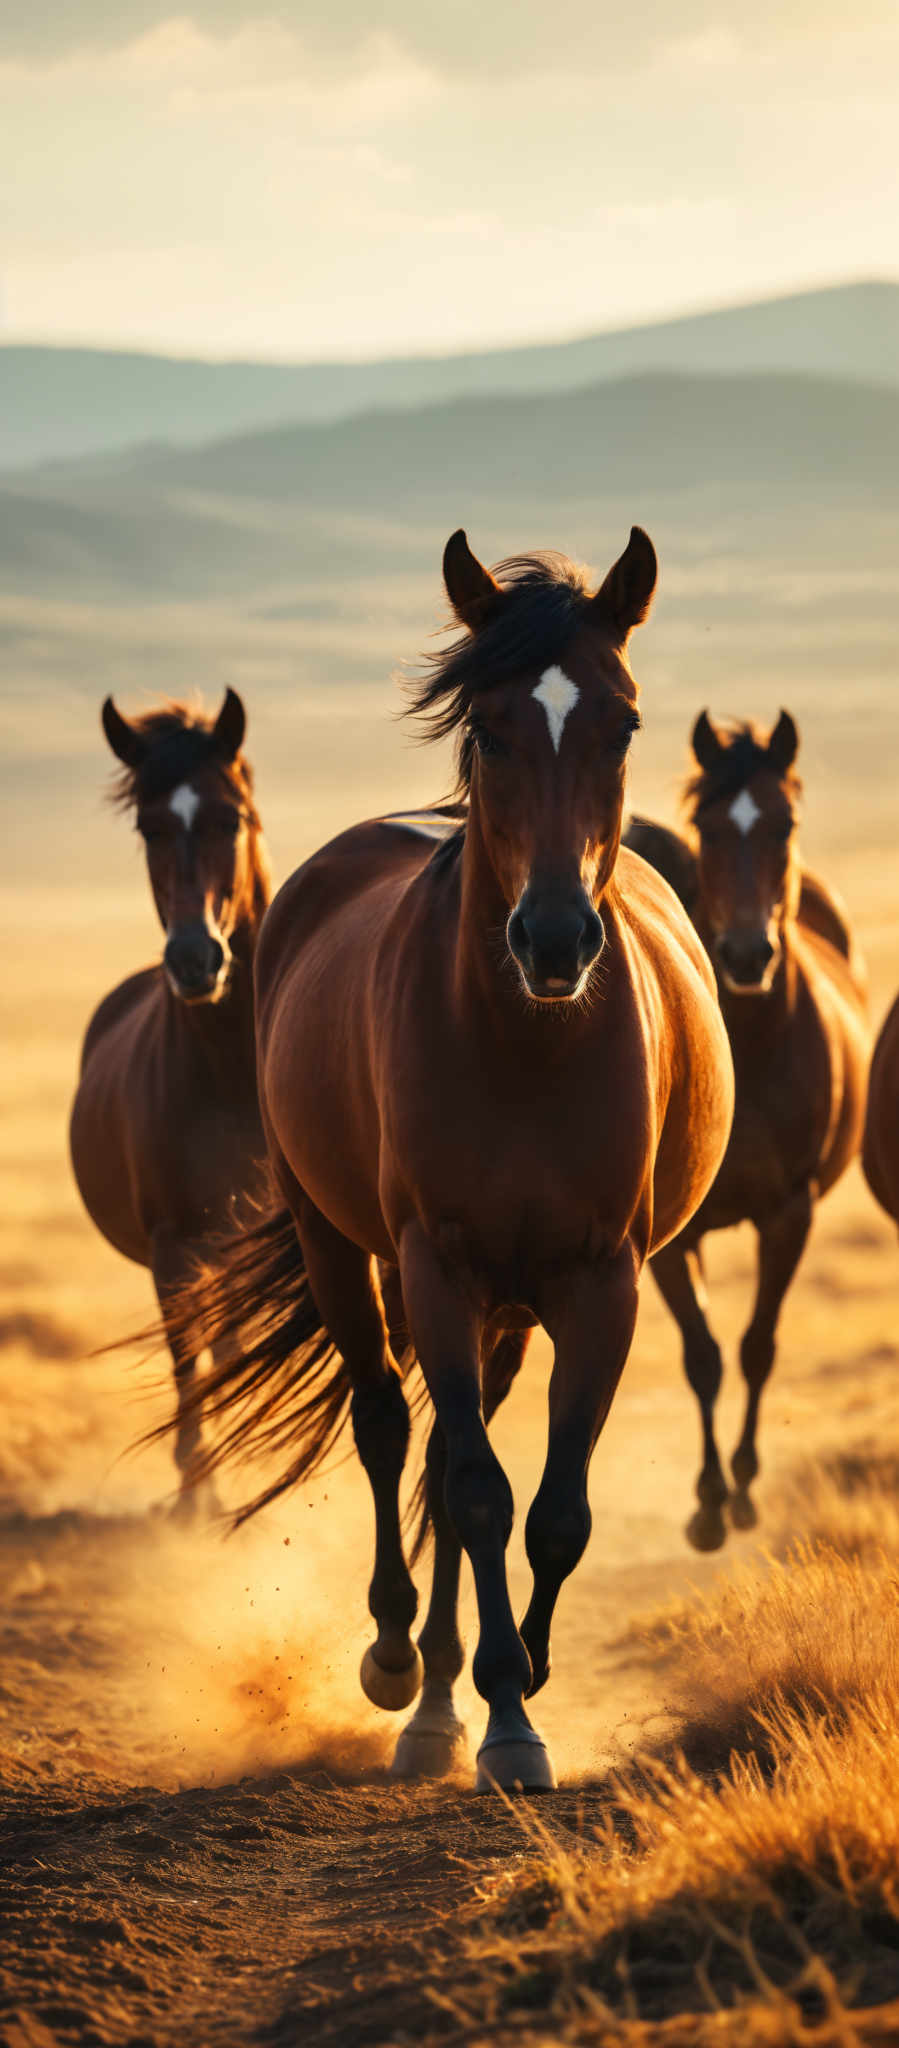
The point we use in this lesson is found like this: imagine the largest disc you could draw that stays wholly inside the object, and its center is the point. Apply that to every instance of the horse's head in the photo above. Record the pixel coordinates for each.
(192, 794)
(550, 709)
(744, 803)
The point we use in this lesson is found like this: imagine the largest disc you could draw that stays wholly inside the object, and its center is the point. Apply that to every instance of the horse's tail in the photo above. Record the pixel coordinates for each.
(277, 1383)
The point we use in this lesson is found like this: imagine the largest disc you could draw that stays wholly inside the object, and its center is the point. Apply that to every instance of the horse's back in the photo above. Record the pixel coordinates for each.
(880, 1150)
(669, 854)
(356, 879)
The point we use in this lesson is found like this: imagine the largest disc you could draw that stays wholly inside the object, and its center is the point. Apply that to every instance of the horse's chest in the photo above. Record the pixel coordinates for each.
(517, 1184)
(782, 1117)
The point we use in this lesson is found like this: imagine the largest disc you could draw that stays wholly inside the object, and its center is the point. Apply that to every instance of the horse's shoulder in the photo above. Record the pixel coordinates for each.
(364, 857)
(120, 1001)
(658, 920)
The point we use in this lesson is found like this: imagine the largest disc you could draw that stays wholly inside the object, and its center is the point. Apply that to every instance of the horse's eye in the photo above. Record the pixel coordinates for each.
(625, 734)
(486, 741)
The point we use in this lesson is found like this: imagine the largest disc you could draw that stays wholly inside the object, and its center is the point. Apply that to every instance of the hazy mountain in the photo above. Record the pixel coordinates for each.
(60, 402)
(770, 452)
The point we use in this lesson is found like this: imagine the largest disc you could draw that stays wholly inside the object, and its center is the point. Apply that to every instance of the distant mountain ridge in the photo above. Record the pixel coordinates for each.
(796, 452)
(58, 404)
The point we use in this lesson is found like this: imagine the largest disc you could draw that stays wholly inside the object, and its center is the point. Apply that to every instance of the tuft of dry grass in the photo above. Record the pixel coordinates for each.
(745, 1889)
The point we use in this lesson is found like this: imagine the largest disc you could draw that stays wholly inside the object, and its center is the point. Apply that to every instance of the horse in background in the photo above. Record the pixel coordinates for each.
(166, 1136)
(497, 1065)
(880, 1150)
(793, 997)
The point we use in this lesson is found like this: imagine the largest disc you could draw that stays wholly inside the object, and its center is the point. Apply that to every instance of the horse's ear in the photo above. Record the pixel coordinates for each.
(471, 589)
(626, 595)
(126, 742)
(705, 742)
(783, 745)
(229, 727)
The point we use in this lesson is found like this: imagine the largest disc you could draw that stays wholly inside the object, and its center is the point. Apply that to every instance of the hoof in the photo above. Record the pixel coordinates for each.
(432, 1743)
(513, 1757)
(743, 1511)
(391, 1689)
(707, 1529)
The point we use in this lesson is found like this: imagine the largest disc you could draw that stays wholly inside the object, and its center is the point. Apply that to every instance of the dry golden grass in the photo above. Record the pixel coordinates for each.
(750, 1894)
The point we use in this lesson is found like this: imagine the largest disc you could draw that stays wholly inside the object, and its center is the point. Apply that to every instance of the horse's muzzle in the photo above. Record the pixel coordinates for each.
(195, 964)
(747, 961)
(554, 944)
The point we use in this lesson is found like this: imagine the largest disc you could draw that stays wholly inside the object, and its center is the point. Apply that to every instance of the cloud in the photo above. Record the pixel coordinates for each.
(472, 37)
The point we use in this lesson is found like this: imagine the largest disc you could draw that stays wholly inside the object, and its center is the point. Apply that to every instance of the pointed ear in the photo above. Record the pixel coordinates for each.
(705, 742)
(126, 742)
(626, 595)
(229, 727)
(783, 745)
(471, 589)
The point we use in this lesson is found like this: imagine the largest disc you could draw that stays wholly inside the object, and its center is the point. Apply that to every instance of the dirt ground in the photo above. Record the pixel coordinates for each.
(199, 1838)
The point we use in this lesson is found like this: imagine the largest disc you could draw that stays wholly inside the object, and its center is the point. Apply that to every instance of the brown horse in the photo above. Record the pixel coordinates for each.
(880, 1151)
(165, 1130)
(498, 1066)
(793, 997)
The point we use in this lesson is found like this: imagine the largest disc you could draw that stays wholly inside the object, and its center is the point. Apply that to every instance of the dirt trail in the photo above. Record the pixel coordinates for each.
(199, 1839)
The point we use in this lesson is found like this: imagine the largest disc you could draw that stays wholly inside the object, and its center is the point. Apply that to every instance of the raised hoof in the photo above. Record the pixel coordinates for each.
(707, 1529)
(743, 1511)
(391, 1689)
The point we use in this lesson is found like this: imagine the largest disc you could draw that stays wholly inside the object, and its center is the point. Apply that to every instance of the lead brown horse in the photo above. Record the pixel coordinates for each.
(792, 994)
(165, 1132)
(499, 1067)
(880, 1151)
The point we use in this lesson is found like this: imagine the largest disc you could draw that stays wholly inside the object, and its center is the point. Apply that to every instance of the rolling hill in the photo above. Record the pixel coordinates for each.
(66, 402)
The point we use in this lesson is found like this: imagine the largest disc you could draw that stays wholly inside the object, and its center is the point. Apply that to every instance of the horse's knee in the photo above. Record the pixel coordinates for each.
(757, 1355)
(478, 1497)
(703, 1367)
(380, 1417)
(557, 1533)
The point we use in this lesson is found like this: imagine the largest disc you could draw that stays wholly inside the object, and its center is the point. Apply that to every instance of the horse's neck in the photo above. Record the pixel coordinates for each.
(754, 1021)
(486, 978)
(223, 1032)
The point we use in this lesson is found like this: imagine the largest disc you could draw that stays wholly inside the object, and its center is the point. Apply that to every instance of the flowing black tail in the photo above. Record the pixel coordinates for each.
(280, 1387)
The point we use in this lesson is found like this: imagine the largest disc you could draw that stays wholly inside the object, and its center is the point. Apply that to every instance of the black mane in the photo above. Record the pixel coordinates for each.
(739, 758)
(181, 743)
(545, 599)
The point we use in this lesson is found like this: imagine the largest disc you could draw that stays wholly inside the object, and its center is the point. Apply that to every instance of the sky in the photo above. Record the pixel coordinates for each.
(349, 180)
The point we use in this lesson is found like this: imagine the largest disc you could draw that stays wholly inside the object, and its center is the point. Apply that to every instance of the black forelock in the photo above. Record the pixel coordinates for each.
(180, 743)
(742, 754)
(545, 599)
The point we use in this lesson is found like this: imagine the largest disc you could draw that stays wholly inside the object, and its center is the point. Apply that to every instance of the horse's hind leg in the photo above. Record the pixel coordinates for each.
(590, 1319)
(170, 1265)
(782, 1240)
(348, 1300)
(679, 1279)
(431, 1742)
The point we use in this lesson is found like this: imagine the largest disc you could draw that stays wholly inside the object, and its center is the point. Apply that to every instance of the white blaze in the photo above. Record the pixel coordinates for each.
(185, 803)
(744, 811)
(558, 695)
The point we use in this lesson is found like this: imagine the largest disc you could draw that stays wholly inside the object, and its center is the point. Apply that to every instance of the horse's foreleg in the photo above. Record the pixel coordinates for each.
(342, 1280)
(591, 1322)
(432, 1740)
(679, 1280)
(782, 1240)
(446, 1326)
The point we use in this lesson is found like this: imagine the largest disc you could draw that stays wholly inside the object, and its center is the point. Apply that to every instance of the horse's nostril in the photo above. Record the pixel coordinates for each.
(592, 940)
